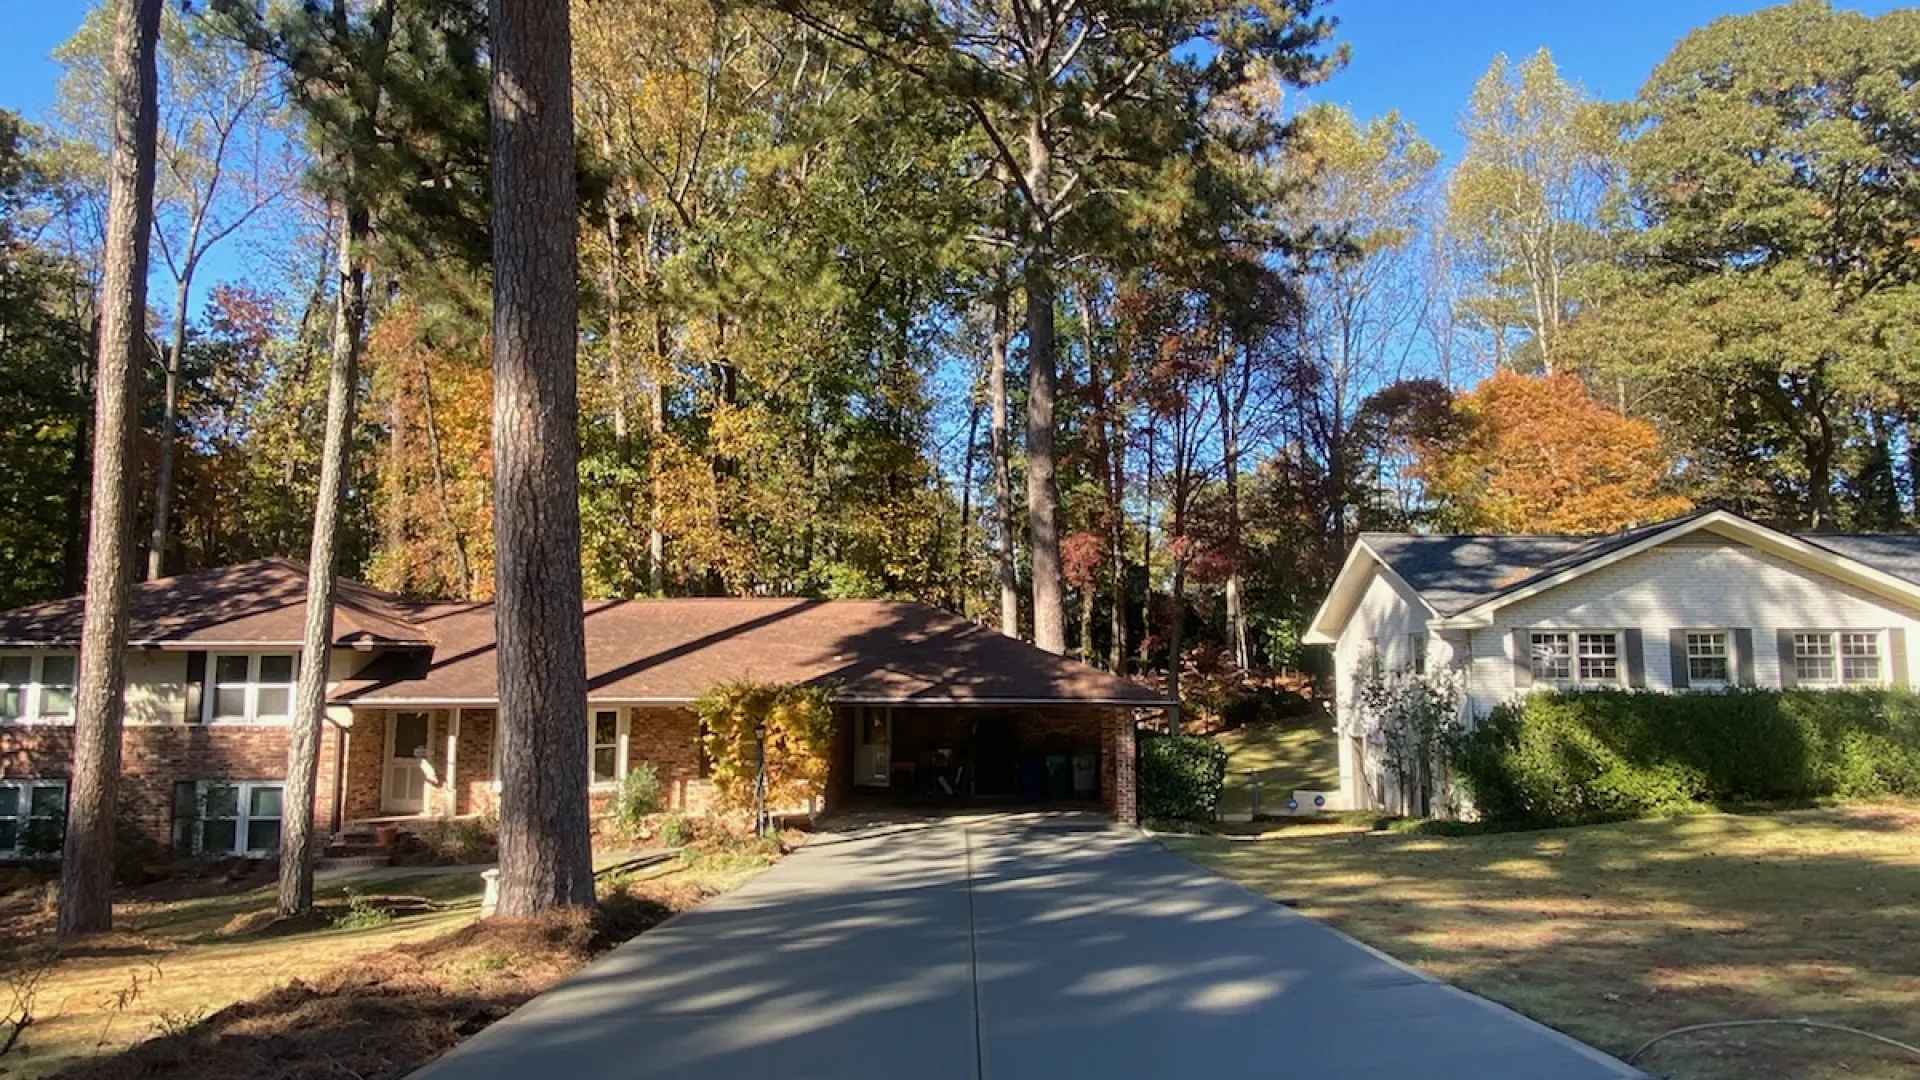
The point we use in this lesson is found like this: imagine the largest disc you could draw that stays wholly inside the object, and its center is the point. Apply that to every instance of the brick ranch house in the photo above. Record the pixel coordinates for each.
(928, 705)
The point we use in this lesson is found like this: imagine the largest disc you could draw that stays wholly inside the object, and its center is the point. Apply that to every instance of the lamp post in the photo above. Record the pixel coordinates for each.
(760, 781)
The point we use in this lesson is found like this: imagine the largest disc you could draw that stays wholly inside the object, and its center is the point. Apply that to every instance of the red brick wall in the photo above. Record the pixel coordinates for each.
(366, 757)
(473, 763)
(669, 738)
(153, 757)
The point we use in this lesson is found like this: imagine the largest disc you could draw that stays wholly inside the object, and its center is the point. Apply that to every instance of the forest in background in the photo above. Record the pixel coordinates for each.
(1090, 326)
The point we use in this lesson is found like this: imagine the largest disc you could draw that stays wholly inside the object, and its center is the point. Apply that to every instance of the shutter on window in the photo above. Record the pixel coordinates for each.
(1633, 644)
(1743, 656)
(1522, 657)
(196, 685)
(1897, 644)
(1677, 656)
(1784, 642)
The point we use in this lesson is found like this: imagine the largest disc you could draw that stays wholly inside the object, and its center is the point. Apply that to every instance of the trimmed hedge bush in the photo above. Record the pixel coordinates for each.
(1180, 776)
(1563, 758)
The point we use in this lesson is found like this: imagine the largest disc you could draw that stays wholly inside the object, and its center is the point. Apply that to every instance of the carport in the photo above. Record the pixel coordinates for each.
(934, 757)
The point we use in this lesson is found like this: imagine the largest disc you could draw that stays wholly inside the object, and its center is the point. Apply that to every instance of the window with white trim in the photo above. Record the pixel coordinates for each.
(1708, 660)
(250, 687)
(37, 687)
(1552, 656)
(239, 818)
(1838, 657)
(1417, 649)
(1599, 657)
(1860, 658)
(603, 735)
(33, 818)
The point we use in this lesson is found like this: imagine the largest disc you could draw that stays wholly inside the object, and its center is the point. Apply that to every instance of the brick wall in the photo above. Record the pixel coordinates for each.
(669, 738)
(366, 760)
(155, 757)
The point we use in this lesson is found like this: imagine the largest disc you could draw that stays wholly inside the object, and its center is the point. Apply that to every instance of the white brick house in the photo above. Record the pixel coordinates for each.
(1702, 602)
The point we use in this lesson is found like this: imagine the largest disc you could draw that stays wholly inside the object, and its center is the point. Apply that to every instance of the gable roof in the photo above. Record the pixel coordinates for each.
(257, 603)
(637, 650)
(676, 650)
(1461, 578)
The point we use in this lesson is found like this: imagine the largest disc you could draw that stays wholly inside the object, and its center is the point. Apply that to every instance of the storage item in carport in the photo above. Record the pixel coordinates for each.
(1086, 775)
(1030, 777)
(1059, 776)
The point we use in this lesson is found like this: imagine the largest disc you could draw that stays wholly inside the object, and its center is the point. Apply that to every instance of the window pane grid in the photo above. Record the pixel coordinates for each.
(1552, 656)
(1860, 658)
(606, 747)
(1813, 659)
(253, 687)
(1599, 658)
(1707, 657)
(32, 817)
(240, 818)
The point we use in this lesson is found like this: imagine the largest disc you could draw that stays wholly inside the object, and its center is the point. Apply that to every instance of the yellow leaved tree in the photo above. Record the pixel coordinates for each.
(799, 740)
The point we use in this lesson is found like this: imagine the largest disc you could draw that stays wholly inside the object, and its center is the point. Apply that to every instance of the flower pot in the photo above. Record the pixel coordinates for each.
(385, 835)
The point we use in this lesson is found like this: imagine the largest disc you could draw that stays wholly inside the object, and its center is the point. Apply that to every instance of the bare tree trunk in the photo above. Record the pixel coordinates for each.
(958, 596)
(545, 860)
(86, 867)
(1003, 467)
(316, 650)
(1230, 464)
(1043, 490)
(656, 514)
(169, 416)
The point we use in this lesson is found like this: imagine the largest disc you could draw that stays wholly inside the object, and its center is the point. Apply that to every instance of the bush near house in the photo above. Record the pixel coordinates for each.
(1563, 758)
(1180, 777)
(797, 722)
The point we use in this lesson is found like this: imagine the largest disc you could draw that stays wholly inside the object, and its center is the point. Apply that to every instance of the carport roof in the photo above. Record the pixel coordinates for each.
(675, 650)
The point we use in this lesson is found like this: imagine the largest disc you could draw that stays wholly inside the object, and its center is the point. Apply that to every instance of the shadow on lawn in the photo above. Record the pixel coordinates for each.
(1618, 933)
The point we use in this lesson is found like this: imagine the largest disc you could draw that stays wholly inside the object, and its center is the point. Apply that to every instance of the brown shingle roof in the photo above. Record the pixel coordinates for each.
(637, 650)
(676, 650)
(254, 603)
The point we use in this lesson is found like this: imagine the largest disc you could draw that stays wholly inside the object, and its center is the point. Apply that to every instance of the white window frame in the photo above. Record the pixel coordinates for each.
(1570, 639)
(619, 745)
(26, 789)
(1836, 642)
(1725, 656)
(33, 691)
(243, 804)
(1534, 656)
(1417, 653)
(252, 686)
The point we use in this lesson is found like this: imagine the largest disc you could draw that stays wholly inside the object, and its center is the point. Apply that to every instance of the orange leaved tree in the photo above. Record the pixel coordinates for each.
(1539, 454)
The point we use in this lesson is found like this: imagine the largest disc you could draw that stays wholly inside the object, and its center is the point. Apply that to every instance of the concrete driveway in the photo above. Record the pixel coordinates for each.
(1000, 949)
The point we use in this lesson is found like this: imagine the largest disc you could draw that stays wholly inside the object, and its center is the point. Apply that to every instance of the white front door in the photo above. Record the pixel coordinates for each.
(405, 788)
(873, 747)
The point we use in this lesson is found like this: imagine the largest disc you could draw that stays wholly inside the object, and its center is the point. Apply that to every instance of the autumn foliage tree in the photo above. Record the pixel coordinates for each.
(1539, 454)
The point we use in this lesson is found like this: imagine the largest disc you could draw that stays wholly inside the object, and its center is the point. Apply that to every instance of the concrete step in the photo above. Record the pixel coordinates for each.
(355, 849)
(352, 862)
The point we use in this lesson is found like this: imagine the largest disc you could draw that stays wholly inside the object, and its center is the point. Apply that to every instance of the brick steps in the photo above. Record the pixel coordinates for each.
(356, 848)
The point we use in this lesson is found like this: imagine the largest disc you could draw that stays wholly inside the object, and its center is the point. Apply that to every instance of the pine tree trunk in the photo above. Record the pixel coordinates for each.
(656, 512)
(316, 650)
(1230, 465)
(1003, 468)
(957, 594)
(86, 867)
(1043, 489)
(163, 467)
(545, 860)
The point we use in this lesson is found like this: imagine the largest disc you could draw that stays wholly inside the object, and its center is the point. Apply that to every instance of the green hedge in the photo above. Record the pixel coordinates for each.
(1180, 776)
(1561, 758)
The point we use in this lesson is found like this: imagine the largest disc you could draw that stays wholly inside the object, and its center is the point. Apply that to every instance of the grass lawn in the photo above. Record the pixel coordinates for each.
(1288, 754)
(212, 979)
(1617, 933)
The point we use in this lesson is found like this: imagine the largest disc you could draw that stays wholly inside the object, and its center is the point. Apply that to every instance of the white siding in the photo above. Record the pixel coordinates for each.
(1385, 621)
(1698, 583)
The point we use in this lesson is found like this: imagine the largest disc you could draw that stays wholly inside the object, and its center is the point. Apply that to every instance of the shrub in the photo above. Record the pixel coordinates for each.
(1561, 758)
(638, 797)
(449, 842)
(1180, 776)
(676, 831)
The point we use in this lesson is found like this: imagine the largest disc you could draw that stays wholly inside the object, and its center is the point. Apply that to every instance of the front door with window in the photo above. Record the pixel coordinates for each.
(873, 746)
(408, 737)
